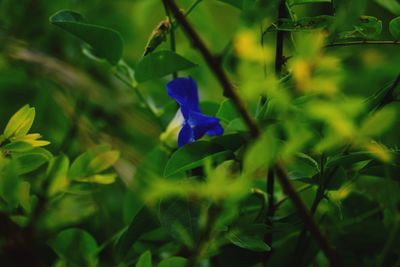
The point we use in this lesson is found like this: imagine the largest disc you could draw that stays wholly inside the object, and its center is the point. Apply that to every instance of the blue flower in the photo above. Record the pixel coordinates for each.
(195, 124)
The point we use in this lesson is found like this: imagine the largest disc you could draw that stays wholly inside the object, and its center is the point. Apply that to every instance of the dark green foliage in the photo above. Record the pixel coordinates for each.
(110, 187)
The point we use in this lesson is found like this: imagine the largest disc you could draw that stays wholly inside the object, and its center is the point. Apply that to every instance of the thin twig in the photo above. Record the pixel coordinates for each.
(364, 42)
(171, 35)
(213, 214)
(255, 132)
(279, 61)
(306, 216)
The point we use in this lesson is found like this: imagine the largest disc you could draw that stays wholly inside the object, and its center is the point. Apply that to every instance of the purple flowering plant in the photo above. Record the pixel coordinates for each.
(195, 124)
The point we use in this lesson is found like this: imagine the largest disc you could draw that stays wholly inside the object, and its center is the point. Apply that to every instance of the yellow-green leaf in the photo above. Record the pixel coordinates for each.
(379, 122)
(99, 179)
(20, 122)
(103, 161)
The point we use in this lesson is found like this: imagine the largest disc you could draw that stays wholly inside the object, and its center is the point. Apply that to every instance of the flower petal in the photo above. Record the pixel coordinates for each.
(201, 124)
(184, 91)
(185, 135)
(195, 124)
(216, 130)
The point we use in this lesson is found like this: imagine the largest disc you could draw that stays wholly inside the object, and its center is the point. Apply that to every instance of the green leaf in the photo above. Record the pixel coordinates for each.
(31, 160)
(69, 209)
(235, 3)
(260, 154)
(18, 146)
(132, 204)
(173, 262)
(194, 155)
(394, 28)
(99, 178)
(20, 123)
(303, 24)
(348, 160)
(105, 42)
(243, 240)
(93, 161)
(103, 161)
(57, 174)
(180, 219)
(144, 260)
(338, 178)
(230, 141)
(379, 122)
(367, 27)
(143, 222)
(227, 112)
(302, 2)
(391, 5)
(76, 246)
(9, 184)
(24, 196)
(160, 64)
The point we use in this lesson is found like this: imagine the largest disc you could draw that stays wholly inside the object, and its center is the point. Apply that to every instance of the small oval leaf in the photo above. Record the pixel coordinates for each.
(159, 64)
(394, 28)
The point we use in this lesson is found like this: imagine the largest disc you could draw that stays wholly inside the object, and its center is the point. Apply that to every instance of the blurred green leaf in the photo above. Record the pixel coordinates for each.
(57, 174)
(31, 160)
(227, 112)
(143, 222)
(20, 123)
(348, 159)
(194, 155)
(235, 3)
(75, 246)
(93, 161)
(68, 209)
(105, 42)
(103, 161)
(144, 260)
(160, 64)
(391, 5)
(379, 122)
(99, 178)
(131, 206)
(9, 184)
(180, 219)
(260, 154)
(18, 147)
(366, 27)
(394, 28)
(230, 141)
(302, 2)
(173, 262)
(24, 196)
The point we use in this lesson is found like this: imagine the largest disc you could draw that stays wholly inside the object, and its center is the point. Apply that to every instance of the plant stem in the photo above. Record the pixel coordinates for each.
(279, 60)
(192, 7)
(271, 208)
(255, 131)
(306, 216)
(280, 35)
(213, 214)
(363, 43)
(171, 35)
